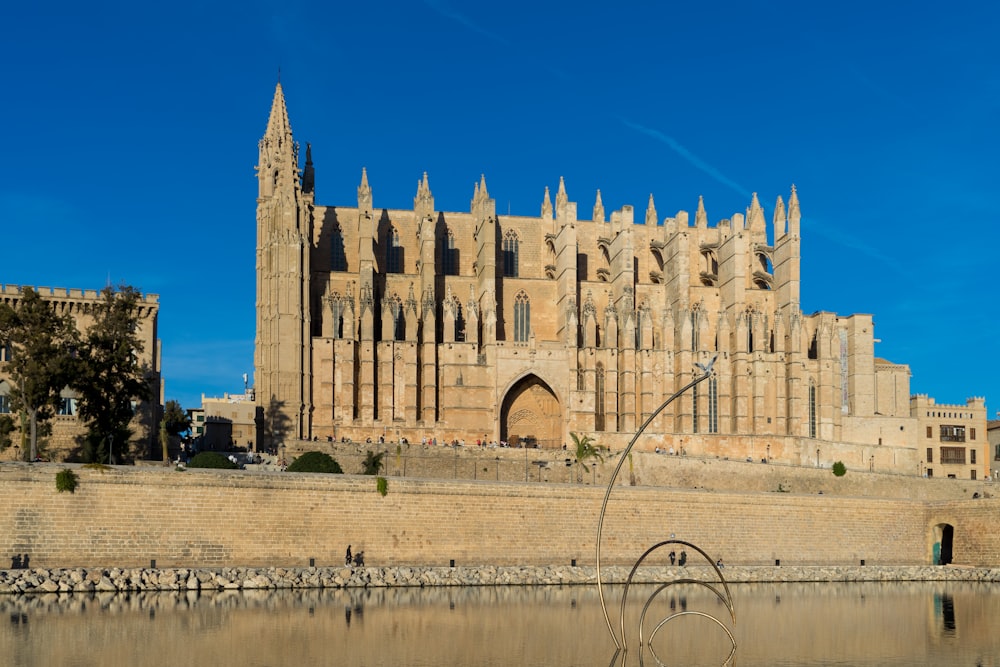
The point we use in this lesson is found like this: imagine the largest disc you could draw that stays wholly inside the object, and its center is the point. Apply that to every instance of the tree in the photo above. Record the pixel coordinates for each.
(372, 463)
(177, 420)
(42, 343)
(315, 462)
(109, 376)
(585, 450)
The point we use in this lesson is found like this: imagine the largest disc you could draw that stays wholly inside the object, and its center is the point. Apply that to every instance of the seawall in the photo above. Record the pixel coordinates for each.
(126, 517)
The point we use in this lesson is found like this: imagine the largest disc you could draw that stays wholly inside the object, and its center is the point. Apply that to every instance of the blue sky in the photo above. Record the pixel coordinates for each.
(131, 135)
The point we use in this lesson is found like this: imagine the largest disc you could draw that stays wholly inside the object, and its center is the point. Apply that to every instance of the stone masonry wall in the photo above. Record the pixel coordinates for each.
(126, 517)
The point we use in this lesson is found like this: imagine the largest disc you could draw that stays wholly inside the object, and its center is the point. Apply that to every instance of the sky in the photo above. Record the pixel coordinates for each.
(131, 135)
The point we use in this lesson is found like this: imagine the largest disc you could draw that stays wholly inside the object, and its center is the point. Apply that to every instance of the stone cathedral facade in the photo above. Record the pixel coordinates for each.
(471, 325)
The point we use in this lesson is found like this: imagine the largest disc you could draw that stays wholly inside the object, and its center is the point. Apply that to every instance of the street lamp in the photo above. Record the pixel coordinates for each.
(111, 447)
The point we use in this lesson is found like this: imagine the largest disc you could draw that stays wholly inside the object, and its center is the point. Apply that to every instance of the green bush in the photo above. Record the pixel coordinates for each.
(66, 480)
(382, 485)
(211, 460)
(315, 462)
(839, 469)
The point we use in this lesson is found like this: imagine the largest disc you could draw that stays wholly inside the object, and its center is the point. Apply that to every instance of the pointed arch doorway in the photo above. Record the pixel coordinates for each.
(530, 415)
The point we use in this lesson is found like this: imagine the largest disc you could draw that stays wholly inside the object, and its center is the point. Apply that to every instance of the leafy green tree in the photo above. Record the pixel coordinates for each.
(315, 462)
(211, 460)
(6, 428)
(109, 375)
(42, 343)
(177, 420)
(276, 423)
(372, 464)
(586, 450)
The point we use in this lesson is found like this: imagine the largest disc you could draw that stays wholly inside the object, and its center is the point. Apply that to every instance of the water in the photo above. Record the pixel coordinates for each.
(932, 624)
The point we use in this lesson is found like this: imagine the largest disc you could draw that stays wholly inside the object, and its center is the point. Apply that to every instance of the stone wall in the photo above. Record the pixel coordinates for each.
(126, 517)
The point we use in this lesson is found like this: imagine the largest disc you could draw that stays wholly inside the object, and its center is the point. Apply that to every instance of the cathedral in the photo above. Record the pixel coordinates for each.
(473, 326)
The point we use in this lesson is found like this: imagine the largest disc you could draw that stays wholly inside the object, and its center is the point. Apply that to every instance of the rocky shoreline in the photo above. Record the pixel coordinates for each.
(112, 580)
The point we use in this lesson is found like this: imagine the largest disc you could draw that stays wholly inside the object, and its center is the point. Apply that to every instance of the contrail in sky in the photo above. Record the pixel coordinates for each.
(689, 156)
(441, 9)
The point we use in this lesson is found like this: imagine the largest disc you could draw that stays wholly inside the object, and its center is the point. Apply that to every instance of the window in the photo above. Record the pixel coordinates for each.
(6, 352)
(930, 472)
(930, 455)
(599, 415)
(67, 406)
(973, 473)
(4, 404)
(394, 253)
(930, 431)
(812, 409)
(952, 433)
(581, 380)
(337, 315)
(522, 317)
(713, 405)
(972, 433)
(972, 456)
(695, 331)
(953, 455)
(398, 321)
(511, 248)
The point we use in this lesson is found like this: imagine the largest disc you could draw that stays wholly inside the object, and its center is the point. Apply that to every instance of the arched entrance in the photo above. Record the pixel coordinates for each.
(530, 415)
(944, 535)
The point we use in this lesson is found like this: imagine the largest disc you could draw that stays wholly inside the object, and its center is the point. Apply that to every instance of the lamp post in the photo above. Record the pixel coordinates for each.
(111, 448)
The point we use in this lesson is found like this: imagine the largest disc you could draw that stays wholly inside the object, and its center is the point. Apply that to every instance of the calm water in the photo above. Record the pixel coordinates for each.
(938, 625)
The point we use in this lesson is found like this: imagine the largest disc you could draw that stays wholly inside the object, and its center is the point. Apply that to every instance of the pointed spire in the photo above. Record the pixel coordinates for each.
(755, 215)
(547, 205)
(651, 218)
(598, 208)
(794, 216)
(482, 186)
(562, 199)
(779, 218)
(700, 216)
(277, 122)
(364, 192)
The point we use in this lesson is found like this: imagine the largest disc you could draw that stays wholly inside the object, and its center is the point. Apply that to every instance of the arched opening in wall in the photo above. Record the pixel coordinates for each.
(944, 536)
(530, 415)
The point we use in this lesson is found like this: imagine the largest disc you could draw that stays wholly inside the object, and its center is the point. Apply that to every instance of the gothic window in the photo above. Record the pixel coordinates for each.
(67, 406)
(695, 331)
(599, 398)
(4, 398)
(338, 259)
(522, 317)
(581, 380)
(449, 255)
(6, 352)
(713, 405)
(694, 409)
(812, 409)
(394, 253)
(459, 322)
(337, 314)
(511, 249)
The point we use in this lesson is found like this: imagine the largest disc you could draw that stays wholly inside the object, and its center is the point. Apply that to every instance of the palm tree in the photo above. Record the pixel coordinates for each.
(585, 449)
(372, 464)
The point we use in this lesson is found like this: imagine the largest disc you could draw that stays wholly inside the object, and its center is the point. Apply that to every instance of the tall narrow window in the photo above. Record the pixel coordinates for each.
(511, 248)
(695, 332)
(581, 380)
(394, 253)
(4, 404)
(599, 398)
(972, 456)
(522, 317)
(812, 410)
(337, 315)
(398, 321)
(694, 409)
(713, 405)
(930, 455)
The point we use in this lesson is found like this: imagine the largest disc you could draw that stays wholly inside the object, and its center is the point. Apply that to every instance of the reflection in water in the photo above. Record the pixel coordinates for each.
(939, 624)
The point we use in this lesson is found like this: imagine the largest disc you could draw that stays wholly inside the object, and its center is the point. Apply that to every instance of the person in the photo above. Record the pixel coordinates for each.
(719, 564)
(347, 558)
(671, 450)
(359, 559)
(683, 559)
(672, 557)
(15, 562)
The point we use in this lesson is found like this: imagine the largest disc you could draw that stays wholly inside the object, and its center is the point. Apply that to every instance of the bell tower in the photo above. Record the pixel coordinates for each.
(282, 343)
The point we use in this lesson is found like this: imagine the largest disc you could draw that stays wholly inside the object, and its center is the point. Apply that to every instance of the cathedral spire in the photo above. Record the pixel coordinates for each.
(700, 216)
(309, 174)
(423, 202)
(547, 205)
(278, 161)
(561, 197)
(277, 122)
(651, 218)
(779, 218)
(794, 216)
(364, 192)
(598, 208)
(755, 216)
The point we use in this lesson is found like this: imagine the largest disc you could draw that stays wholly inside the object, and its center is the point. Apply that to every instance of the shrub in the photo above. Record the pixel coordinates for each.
(66, 480)
(372, 464)
(839, 469)
(211, 460)
(315, 462)
(382, 485)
